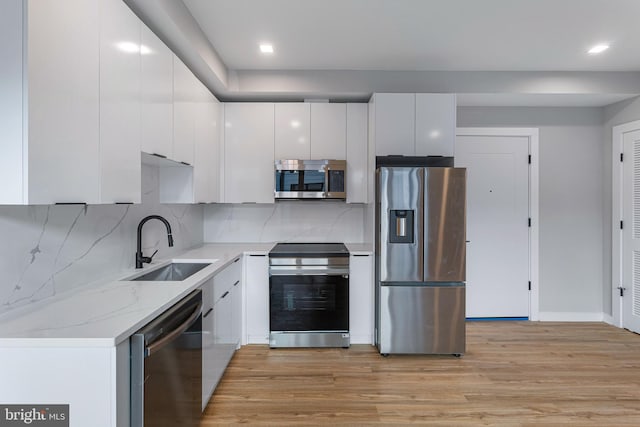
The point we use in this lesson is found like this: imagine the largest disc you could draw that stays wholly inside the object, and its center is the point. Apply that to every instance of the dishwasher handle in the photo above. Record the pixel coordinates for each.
(157, 345)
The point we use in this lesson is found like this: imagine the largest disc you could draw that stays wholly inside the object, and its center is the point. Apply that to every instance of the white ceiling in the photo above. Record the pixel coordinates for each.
(476, 35)
(489, 52)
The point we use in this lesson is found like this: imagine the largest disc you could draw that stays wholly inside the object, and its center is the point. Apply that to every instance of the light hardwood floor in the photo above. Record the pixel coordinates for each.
(513, 374)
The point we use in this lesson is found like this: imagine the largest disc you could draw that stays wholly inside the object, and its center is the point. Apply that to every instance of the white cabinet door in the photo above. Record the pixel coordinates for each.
(435, 124)
(395, 124)
(223, 311)
(206, 161)
(63, 106)
(361, 299)
(227, 285)
(236, 294)
(256, 282)
(157, 95)
(184, 88)
(249, 152)
(357, 161)
(209, 373)
(88, 379)
(292, 131)
(120, 167)
(11, 102)
(328, 131)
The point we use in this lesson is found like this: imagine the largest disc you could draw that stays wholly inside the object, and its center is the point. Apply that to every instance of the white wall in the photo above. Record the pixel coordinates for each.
(51, 249)
(572, 191)
(614, 115)
(286, 221)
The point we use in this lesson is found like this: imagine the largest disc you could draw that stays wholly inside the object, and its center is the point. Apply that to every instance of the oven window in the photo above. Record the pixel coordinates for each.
(309, 303)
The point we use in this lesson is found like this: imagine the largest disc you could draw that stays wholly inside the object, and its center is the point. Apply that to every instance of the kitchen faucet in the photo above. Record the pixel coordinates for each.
(140, 259)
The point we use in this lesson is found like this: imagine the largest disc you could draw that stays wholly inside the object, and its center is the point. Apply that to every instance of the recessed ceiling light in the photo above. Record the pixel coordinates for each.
(598, 48)
(266, 48)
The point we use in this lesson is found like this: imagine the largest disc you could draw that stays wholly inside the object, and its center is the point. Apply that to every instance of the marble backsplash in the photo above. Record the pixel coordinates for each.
(52, 249)
(285, 221)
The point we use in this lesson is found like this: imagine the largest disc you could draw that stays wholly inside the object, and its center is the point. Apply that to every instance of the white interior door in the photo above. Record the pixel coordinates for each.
(497, 224)
(631, 232)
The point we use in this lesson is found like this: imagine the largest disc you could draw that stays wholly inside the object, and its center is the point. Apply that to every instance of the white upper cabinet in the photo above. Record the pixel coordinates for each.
(62, 48)
(357, 162)
(157, 95)
(435, 124)
(292, 131)
(249, 152)
(422, 124)
(395, 118)
(206, 167)
(11, 166)
(328, 131)
(120, 168)
(184, 94)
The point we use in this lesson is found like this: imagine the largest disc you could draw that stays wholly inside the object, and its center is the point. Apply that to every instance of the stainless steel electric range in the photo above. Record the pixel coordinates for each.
(309, 295)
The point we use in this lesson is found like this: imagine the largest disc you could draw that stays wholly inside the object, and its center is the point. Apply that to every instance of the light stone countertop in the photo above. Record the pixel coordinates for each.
(105, 314)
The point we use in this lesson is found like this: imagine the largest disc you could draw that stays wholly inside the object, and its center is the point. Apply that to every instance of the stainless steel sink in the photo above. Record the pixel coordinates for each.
(176, 271)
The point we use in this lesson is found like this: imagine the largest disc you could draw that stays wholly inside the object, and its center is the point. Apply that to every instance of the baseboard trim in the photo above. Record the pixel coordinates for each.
(361, 339)
(253, 339)
(553, 316)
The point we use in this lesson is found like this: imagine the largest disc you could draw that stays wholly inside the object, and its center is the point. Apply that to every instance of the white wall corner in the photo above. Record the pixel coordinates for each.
(607, 318)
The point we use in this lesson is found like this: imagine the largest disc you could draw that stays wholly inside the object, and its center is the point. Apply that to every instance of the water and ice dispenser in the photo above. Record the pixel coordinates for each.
(401, 225)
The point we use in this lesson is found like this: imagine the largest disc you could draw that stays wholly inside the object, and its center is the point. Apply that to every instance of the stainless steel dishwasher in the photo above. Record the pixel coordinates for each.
(166, 367)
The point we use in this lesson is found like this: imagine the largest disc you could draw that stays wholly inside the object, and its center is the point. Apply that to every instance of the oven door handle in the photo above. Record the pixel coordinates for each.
(314, 271)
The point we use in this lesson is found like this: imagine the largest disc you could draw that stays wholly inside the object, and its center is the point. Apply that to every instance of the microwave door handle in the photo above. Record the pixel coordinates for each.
(327, 184)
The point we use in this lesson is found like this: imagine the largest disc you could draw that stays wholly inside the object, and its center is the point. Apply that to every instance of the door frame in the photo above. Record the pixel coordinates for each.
(533, 135)
(617, 147)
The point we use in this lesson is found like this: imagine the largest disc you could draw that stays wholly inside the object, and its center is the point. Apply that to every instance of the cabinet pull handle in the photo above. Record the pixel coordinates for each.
(159, 155)
(124, 203)
(224, 295)
(186, 164)
(360, 254)
(208, 312)
(237, 259)
(237, 281)
(257, 255)
(70, 203)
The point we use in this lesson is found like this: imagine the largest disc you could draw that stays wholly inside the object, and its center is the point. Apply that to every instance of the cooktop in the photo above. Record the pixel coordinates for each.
(309, 250)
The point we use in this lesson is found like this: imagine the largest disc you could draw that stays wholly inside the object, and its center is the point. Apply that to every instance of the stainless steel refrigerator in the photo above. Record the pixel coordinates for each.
(420, 260)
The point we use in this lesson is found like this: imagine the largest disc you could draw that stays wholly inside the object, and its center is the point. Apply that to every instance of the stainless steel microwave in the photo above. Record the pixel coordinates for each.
(310, 179)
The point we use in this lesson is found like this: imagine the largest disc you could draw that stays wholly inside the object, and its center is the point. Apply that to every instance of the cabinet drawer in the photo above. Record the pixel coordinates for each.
(225, 279)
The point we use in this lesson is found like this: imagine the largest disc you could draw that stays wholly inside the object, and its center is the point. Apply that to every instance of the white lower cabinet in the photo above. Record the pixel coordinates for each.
(93, 381)
(236, 312)
(220, 317)
(256, 285)
(361, 298)
(209, 374)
